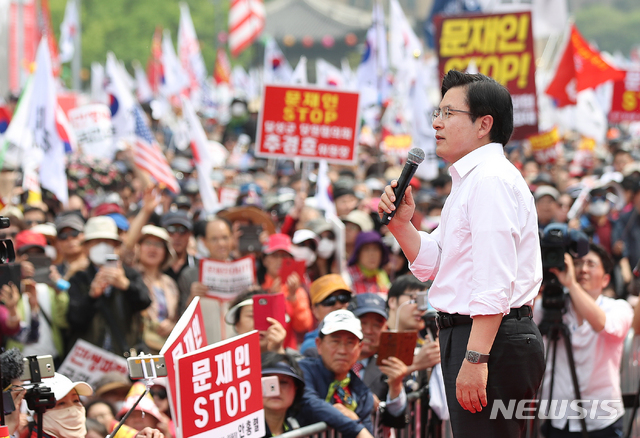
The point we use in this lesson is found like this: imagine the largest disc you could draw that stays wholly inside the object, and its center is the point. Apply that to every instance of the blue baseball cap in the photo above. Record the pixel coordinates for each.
(121, 222)
(368, 303)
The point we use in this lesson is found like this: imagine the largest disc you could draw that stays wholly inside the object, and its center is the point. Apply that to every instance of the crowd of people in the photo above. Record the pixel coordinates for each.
(117, 268)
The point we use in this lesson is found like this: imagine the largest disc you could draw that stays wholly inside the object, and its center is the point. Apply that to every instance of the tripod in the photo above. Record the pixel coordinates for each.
(553, 327)
(39, 398)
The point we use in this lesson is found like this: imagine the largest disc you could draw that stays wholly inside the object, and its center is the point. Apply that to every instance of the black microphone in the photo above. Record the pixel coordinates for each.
(416, 156)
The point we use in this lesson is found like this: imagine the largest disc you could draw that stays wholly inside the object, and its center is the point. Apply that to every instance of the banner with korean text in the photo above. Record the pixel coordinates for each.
(501, 46)
(625, 102)
(187, 336)
(88, 363)
(220, 390)
(546, 146)
(309, 123)
(226, 280)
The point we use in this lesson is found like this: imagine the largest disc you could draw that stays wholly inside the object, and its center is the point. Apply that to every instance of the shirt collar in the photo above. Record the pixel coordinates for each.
(466, 164)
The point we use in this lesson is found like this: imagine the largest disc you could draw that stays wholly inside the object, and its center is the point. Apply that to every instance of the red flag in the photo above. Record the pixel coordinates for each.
(45, 29)
(246, 21)
(580, 67)
(154, 65)
(222, 72)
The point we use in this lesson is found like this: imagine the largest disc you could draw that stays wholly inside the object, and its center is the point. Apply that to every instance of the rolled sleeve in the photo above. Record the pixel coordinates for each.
(618, 319)
(398, 405)
(495, 232)
(427, 262)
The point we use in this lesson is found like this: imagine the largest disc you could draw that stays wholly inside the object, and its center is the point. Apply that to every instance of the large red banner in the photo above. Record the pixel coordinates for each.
(308, 123)
(625, 103)
(501, 46)
(187, 336)
(220, 389)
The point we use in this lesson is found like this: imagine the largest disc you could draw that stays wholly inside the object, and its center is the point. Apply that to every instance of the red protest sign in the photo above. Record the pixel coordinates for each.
(187, 336)
(501, 46)
(308, 123)
(220, 389)
(625, 102)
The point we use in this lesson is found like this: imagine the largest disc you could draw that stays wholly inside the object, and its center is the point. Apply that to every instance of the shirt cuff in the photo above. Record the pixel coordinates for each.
(398, 405)
(489, 302)
(426, 263)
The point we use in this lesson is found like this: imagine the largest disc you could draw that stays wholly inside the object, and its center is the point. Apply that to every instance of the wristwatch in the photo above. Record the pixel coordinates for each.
(475, 357)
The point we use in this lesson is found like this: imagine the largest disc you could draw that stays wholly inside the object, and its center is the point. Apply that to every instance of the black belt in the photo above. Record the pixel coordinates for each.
(446, 320)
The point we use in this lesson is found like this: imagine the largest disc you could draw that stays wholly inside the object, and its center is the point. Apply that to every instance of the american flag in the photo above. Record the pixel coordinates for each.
(246, 21)
(148, 155)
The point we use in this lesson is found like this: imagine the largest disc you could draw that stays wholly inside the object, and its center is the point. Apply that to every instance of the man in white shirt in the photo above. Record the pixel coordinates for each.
(598, 326)
(484, 259)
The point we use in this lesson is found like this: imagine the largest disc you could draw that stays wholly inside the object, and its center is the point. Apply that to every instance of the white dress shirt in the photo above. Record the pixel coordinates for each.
(597, 358)
(485, 254)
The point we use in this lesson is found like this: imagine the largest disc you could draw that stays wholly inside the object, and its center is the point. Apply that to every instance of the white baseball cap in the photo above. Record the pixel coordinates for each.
(339, 320)
(61, 386)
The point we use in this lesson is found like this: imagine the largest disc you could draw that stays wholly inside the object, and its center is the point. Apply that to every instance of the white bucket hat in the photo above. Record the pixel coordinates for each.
(101, 227)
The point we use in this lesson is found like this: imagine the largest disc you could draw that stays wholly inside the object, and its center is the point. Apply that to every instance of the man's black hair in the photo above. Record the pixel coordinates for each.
(244, 296)
(12, 366)
(405, 283)
(270, 359)
(604, 256)
(485, 97)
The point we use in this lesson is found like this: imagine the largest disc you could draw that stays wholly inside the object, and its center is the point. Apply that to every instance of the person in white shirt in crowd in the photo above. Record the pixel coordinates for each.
(484, 259)
(598, 327)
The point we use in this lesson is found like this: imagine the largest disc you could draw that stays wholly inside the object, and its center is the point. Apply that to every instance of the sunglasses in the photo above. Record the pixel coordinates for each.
(68, 234)
(172, 229)
(8, 235)
(33, 222)
(333, 299)
(161, 393)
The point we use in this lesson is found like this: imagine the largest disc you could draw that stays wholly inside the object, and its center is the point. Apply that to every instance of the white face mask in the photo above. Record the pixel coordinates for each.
(65, 423)
(51, 252)
(599, 208)
(326, 247)
(98, 253)
(306, 254)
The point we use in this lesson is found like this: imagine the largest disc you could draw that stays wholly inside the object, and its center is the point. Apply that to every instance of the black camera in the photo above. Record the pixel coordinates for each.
(556, 241)
(7, 253)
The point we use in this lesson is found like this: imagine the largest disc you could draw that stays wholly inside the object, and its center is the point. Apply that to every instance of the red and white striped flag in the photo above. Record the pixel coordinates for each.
(148, 156)
(246, 22)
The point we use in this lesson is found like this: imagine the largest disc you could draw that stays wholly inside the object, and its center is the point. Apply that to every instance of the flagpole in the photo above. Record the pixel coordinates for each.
(76, 62)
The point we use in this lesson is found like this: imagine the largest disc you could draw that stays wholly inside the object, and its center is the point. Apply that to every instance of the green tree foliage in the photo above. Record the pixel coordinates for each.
(126, 27)
(613, 27)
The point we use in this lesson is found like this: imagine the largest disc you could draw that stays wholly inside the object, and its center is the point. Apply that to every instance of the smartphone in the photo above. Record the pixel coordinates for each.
(42, 265)
(268, 306)
(249, 240)
(45, 367)
(422, 300)
(270, 386)
(8, 406)
(290, 266)
(10, 272)
(155, 366)
(112, 260)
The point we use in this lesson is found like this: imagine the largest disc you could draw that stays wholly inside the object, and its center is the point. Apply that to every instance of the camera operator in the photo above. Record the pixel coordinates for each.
(598, 327)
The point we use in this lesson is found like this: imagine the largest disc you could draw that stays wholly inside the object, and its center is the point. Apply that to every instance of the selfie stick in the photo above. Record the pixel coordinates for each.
(398, 312)
(147, 380)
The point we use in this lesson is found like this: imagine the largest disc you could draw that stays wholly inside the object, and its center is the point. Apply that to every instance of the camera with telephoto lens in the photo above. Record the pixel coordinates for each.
(556, 241)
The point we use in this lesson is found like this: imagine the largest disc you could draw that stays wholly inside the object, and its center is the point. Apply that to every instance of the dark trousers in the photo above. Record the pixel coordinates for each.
(612, 431)
(516, 367)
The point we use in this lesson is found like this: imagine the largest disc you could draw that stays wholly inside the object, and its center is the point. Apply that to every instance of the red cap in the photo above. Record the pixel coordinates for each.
(415, 183)
(105, 209)
(278, 242)
(29, 239)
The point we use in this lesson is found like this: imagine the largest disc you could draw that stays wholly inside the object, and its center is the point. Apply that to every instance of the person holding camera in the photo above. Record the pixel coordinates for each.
(598, 327)
(484, 259)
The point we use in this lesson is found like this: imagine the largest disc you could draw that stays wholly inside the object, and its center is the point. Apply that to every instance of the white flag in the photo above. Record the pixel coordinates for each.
(276, 66)
(323, 202)
(98, 94)
(48, 149)
(424, 136)
(121, 101)
(144, 93)
(203, 162)
(300, 73)
(175, 78)
(68, 31)
(189, 49)
(404, 45)
(328, 75)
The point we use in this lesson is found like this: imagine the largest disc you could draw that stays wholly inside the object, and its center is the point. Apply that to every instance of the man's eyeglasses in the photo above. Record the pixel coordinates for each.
(30, 222)
(333, 299)
(8, 235)
(67, 234)
(161, 393)
(172, 229)
(444, 113)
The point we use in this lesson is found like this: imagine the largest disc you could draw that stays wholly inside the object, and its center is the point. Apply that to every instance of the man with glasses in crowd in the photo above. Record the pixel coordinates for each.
(328, 293)
(70, 235)
(484, 258)
(179, 226)
(333, 392)
(33, 216)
